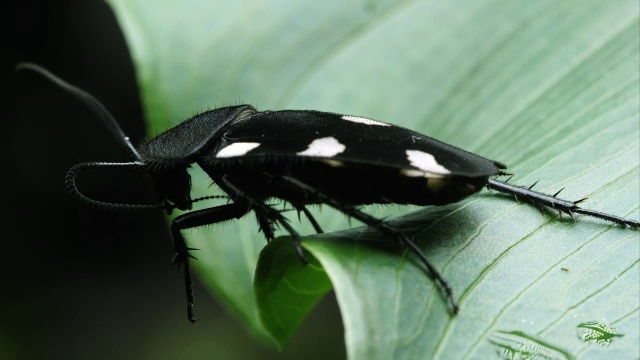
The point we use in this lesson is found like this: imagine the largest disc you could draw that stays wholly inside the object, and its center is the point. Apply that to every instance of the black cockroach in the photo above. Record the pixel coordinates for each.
(304, 158)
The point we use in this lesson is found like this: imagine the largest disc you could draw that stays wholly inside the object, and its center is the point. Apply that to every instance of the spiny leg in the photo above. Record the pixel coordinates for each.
(563, 206)
(302, 209)
(266, 226)
(312, 220)
(264, 211)
(194, 219)
(381, 226)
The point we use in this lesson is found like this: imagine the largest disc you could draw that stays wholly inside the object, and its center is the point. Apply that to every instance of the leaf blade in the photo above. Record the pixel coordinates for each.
(549, 88)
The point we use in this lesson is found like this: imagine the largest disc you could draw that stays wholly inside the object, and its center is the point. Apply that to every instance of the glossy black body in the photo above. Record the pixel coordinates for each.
(368, 171)
(302, 157)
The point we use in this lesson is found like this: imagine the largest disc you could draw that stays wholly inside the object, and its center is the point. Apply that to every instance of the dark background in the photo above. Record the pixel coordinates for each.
(86, 284)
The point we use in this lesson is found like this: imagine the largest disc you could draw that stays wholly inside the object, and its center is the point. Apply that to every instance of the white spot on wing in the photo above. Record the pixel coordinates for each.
(412, 173)
(425, 162)
(362, 120)
(237, 149)
(333, 163)
(419, 173)
(323, 147)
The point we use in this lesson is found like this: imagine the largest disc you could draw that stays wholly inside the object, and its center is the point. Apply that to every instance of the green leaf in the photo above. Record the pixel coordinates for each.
(550, 88)
(287, 291)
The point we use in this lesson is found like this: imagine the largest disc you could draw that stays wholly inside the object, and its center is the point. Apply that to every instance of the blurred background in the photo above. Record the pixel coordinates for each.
(555, 82)
(83, 283)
